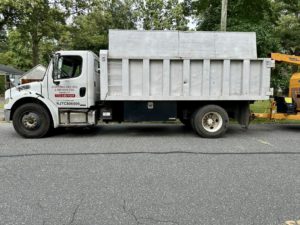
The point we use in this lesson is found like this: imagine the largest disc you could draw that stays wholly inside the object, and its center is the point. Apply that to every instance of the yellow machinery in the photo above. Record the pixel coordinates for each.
(287, 108)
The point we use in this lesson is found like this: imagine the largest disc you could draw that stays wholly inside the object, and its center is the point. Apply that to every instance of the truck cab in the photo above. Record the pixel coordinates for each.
(66, 96)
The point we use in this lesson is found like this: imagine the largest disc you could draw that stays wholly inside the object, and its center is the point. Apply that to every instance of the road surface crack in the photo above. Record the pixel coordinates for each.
(74, 213)
(145, 220)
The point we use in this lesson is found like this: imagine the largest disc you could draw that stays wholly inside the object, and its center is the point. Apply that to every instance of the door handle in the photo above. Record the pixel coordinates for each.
(82, 91)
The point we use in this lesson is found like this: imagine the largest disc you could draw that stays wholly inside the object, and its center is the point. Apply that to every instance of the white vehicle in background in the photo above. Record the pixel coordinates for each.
(201, 78)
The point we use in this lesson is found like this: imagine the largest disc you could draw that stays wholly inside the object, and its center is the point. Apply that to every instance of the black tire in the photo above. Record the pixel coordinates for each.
(192, 120)
(210, 121)
(31, 121)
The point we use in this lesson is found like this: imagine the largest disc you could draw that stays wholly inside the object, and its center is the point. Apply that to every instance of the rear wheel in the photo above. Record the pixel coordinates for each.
(210, 121)
(31, 121)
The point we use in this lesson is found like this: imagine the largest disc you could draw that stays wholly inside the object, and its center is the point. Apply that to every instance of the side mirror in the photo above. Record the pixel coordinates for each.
(11, 82)
(56, 60)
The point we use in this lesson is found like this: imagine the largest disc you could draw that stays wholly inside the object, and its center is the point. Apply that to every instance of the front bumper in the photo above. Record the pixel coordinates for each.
(7, 114)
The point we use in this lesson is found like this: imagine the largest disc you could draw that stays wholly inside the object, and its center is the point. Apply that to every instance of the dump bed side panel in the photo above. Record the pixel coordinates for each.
(184, 79)
(179, 44)
(176, 65)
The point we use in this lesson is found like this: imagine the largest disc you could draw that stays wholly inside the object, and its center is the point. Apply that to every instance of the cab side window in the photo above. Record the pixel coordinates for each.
(70, 67)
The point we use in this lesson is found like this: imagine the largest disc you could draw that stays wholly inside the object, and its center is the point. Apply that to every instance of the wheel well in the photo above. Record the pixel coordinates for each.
(235, 109)
(29, 100)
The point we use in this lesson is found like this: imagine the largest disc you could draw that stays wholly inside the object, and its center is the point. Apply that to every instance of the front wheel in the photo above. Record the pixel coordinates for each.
(210, 121)
(31, 121)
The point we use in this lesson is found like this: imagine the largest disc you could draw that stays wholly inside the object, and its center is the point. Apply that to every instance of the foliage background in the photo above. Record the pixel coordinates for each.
(2, 84)
(30, 30)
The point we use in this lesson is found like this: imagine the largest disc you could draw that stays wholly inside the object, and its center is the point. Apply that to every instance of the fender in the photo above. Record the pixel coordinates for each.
(30, 96)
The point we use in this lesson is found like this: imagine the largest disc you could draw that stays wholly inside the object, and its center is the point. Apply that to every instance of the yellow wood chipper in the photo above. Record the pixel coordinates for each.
(285, 108)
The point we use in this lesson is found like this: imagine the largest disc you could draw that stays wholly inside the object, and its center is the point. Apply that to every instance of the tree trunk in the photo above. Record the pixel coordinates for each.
(35, 52)
(35, 47)
(224, 15)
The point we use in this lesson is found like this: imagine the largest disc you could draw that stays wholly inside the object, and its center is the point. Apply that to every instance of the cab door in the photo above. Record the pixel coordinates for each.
(69, 88)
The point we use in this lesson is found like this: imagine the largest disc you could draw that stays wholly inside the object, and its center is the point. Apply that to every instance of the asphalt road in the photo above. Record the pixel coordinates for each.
(151, 174)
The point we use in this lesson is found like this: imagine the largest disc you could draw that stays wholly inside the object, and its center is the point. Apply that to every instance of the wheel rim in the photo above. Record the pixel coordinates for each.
(212, 122)
(31, 120)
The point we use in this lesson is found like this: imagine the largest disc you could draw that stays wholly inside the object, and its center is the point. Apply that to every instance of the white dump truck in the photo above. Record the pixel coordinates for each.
(200, 78)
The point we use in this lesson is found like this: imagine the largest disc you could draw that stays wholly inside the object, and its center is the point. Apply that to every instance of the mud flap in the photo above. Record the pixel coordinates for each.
(243, 114)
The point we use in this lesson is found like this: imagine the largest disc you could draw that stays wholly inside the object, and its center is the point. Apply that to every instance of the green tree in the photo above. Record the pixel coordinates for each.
(243, 15)
(3, 40)
(90, 31)
(120, 14)
(161, 15)
(18, 52)
(2, 85)
(287, 30)
(239, 12)
(288, 25)
(284, 7)
(33, 19)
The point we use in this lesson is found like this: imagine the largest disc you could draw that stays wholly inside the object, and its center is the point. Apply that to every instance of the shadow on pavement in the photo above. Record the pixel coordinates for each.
(126, 130)
(153, 130)
(291, 127)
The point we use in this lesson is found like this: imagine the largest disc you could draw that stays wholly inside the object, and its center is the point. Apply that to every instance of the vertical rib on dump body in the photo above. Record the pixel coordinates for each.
(173, 65)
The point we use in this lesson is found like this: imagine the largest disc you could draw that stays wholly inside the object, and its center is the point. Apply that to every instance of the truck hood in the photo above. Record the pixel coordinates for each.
(23, 90)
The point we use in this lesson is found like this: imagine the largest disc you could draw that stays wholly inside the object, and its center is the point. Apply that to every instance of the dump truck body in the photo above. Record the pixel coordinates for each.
(200, 78)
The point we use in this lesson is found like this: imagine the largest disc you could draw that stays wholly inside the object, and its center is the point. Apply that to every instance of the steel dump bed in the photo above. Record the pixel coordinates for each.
(183, 66)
